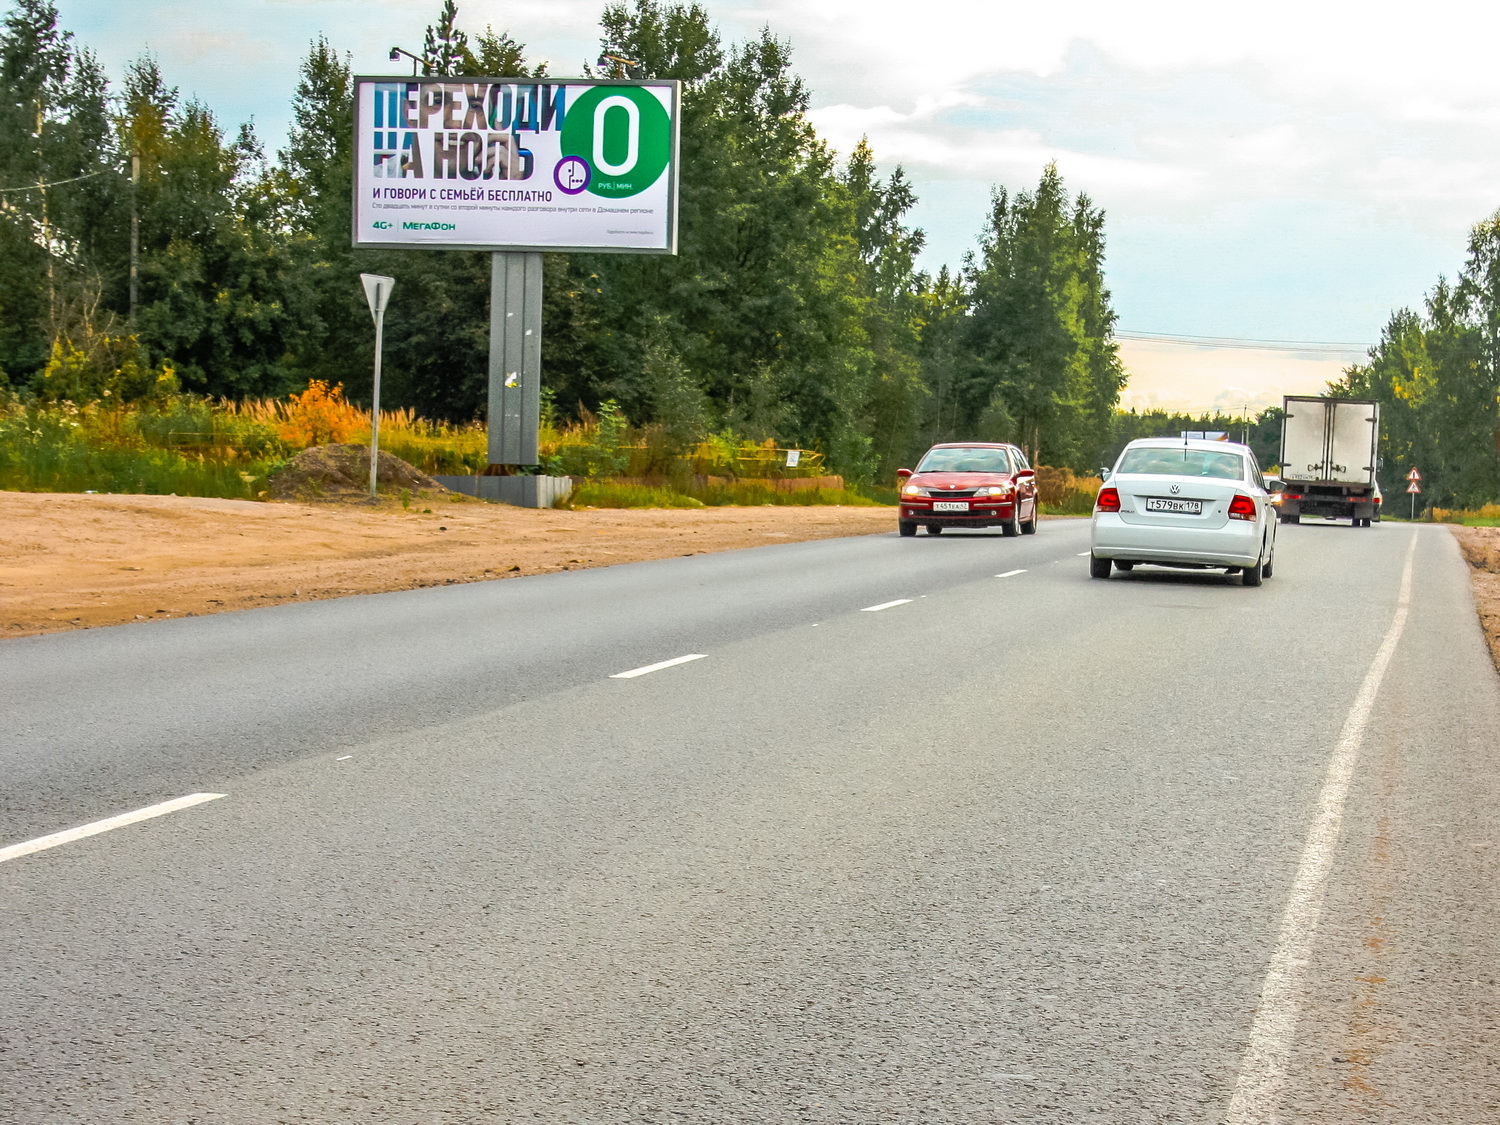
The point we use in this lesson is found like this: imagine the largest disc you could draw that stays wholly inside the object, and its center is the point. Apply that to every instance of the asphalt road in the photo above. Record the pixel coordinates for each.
(1031, 848)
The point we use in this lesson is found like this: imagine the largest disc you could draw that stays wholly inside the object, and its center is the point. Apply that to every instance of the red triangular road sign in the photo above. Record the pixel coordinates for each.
(1414, 487)
(1414, 475)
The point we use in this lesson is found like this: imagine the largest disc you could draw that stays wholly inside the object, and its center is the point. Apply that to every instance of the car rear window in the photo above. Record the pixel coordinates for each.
(1184, 462)
(962, 460)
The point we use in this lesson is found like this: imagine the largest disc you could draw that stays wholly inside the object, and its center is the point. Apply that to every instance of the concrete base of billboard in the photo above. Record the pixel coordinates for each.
(523, 492)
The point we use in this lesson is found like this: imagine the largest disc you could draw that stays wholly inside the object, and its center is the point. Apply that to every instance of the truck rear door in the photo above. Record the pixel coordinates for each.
(1351, 444)
(1304, 440)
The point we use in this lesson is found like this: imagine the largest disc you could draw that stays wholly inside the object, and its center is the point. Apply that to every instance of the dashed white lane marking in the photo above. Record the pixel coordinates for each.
(884, 605)
(345, 758)
(1257, 1093)
(42, 843)
(1010, 574)
(1082, 553)
(634, 672)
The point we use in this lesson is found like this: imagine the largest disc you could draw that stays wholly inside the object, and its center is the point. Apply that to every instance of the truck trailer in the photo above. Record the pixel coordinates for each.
(1328, 459)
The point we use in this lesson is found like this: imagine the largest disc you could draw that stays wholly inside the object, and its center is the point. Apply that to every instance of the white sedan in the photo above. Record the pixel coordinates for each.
(1185, 503)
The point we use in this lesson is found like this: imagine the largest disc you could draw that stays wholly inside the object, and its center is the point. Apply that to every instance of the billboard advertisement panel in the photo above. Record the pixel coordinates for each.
(516, 164)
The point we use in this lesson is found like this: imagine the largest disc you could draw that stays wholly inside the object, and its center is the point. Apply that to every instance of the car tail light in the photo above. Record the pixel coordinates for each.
(1241, 507)
(1109, 500)
(1291, 496)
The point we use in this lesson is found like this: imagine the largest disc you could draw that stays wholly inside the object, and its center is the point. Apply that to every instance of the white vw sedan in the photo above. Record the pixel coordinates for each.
(1185, 503)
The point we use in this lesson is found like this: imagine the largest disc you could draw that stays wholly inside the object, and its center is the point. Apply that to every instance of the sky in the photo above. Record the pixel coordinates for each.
(1276, 179)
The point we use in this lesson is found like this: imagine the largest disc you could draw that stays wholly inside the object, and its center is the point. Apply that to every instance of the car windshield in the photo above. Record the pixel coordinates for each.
(1173, 461)
(965, 461)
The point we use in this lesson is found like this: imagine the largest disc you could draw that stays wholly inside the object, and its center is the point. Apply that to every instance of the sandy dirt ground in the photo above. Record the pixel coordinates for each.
(71, 561)
(1481, 546)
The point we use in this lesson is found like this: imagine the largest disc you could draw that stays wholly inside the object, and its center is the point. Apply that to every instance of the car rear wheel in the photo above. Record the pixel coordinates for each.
(1270, 565)
(1251, 575)
(1029, 527)
(1098, 568)
(906, 527)
(934, 529)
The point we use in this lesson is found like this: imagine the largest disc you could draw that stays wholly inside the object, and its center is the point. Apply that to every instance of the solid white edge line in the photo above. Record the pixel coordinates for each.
(1257, 1093)
(634, 672)
(884, 605)
(42, 843)
(1010, 574)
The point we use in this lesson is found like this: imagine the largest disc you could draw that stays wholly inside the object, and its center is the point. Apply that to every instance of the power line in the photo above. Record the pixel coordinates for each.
(56, 183)
(1329, 347)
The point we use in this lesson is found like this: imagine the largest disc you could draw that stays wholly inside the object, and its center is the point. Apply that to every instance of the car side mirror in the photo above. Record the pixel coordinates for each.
(903, 475)
(1104, 472)
(1031, 473)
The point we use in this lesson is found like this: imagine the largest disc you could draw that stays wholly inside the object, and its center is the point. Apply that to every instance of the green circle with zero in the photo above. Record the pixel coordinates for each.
(625, 135)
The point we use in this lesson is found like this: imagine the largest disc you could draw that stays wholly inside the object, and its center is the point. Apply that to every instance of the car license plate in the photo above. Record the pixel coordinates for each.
(950, 505)
(1180, 507)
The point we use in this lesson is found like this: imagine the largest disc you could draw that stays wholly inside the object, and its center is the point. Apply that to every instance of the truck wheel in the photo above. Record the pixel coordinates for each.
(1098, 568)
(906, 527)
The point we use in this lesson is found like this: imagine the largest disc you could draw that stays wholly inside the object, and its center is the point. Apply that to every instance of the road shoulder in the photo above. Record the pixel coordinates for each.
(71, 561)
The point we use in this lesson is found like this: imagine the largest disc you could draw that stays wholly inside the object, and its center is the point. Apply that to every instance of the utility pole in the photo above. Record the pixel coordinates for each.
(41, 187)
(135, 231)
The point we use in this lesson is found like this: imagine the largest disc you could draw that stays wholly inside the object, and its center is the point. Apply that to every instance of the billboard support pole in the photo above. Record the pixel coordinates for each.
(515, 384)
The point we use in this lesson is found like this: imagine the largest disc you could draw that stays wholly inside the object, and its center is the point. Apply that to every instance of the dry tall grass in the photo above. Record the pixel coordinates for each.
(1064, 492)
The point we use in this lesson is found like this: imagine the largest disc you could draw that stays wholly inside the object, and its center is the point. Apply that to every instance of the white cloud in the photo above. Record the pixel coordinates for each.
(1295, 168)
(1194, 379)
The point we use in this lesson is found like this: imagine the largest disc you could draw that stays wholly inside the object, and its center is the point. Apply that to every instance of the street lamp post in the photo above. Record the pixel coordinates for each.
(378, 293)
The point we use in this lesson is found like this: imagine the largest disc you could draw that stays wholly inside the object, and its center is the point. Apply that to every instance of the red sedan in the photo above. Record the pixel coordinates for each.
(969, 484)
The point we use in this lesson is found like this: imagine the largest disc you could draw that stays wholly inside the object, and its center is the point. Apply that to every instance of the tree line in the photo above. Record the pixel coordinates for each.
(144, 244)
(1436, 375)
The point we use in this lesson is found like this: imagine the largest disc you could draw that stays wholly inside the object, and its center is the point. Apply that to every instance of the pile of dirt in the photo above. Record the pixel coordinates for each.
(1481, 547)
(342, 472)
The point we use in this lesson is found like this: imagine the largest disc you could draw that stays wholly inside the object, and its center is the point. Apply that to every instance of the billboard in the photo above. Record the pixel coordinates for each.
(516, 164)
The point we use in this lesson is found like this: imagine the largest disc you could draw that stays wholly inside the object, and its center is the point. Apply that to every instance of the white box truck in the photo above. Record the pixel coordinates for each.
(1328, 459)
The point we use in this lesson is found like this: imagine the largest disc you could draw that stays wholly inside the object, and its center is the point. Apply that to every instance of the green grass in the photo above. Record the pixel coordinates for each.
(749, 495)
(50, 453)
(606, 494)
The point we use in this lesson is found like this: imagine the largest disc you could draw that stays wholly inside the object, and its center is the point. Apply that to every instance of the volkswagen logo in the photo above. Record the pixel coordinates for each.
(1176, 488)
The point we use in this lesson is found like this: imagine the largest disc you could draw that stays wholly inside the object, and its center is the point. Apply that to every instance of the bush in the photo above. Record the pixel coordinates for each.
(1064, 492)
(320, 415)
